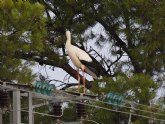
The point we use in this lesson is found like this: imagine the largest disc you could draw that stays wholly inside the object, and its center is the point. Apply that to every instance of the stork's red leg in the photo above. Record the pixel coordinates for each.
(78, 76)
(83, 69)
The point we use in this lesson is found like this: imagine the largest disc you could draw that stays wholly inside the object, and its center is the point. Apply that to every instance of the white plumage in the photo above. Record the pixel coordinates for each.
(79, 57)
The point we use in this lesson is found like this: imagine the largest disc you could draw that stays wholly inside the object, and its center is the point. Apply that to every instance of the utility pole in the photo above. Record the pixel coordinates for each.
(16, 107)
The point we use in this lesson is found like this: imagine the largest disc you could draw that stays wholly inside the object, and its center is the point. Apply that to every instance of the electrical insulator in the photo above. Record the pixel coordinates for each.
(81, 114)
(57, 110)
(44, 88)
(114, 99)
(3, 99)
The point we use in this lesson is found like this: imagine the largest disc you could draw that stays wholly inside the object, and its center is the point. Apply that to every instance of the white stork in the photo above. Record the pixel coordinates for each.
(80, 59)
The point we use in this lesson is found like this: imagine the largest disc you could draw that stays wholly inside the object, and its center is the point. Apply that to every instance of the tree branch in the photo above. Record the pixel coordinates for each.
(99, 56)
(110, 29)
(120, 44)
(65, 66)
(118, 58)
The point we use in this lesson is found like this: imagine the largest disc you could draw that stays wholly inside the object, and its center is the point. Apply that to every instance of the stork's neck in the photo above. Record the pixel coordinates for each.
(68, 36)
(68, 42)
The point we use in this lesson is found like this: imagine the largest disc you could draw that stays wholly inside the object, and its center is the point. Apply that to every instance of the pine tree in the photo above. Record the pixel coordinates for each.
(132, 30)
(21, 30)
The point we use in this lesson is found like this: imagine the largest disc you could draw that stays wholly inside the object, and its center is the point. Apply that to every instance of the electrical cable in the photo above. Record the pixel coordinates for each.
(95, 101)
(108, 109)
(100, 101)
(90, 121)
(132, 108)
(127, 101)
(54, 115)
(147, 106)
(90, 99)
(39, 113)
(155, 113)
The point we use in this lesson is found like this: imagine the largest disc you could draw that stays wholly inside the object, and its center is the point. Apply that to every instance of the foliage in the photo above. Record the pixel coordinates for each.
(41, 118)
(69, 113)
(139, 88)
(129, 28)
(133, 32)
(21, 30)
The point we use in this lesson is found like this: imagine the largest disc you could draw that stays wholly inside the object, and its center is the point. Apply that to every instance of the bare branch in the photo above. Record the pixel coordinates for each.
(118, 58)
(57, 81)
(99, 56)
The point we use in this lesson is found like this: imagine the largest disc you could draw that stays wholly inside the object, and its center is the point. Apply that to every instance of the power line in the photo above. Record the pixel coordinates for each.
(147, 106)
(108, 109)
(90, 121)
(38, 113)
(95, 106)
(132, 108)
(126, 101)
(73, 96)
(29, 90)
(59, 96)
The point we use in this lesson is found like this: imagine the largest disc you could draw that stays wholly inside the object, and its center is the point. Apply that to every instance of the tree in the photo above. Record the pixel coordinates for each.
(21, 30)
(133, 30)
(129, 27)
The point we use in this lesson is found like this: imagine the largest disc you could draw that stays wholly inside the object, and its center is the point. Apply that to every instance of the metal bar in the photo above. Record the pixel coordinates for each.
(16, 107)
(58, 96)
(30, 109)
(79, 94)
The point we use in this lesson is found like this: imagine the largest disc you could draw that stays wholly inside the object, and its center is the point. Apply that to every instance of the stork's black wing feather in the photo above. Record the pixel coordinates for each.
(92, 66)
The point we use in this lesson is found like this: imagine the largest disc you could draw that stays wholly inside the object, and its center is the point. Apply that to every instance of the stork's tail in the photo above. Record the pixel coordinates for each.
(87, 70)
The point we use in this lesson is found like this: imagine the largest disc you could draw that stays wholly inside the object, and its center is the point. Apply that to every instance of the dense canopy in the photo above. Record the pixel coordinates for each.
(124, 38)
